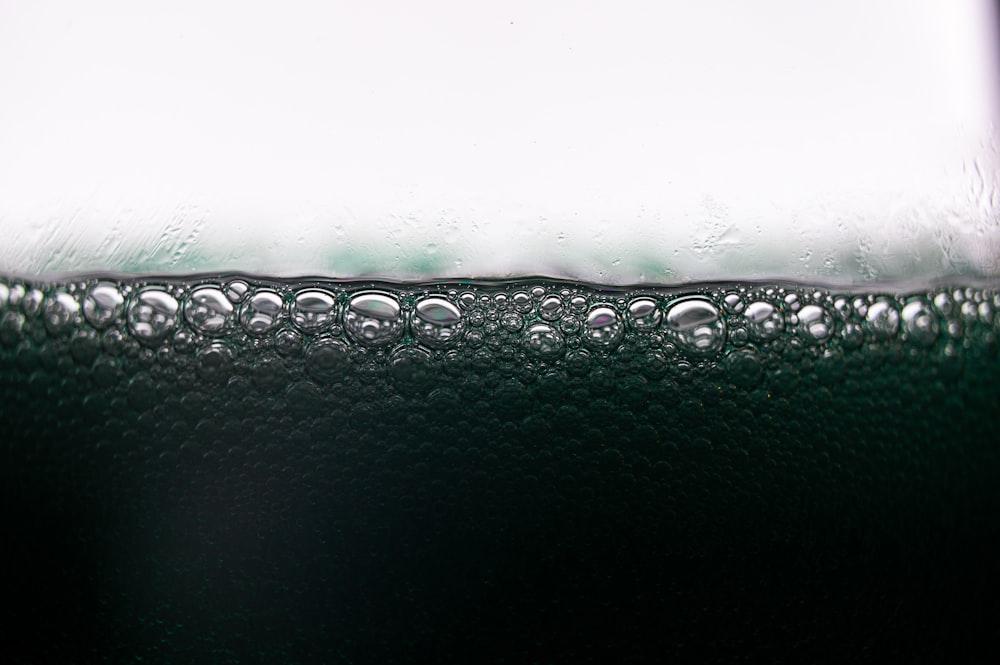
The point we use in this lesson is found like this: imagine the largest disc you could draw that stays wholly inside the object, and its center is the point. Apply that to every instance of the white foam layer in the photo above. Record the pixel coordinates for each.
(611, 142)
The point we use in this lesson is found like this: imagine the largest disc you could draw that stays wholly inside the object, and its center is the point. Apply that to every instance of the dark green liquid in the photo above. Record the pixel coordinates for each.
(225, 498)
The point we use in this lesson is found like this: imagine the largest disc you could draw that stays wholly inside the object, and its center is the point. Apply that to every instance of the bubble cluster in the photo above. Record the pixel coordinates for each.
(267, 335)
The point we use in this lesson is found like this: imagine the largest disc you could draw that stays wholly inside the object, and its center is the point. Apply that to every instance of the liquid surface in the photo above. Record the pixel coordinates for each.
(244, 469)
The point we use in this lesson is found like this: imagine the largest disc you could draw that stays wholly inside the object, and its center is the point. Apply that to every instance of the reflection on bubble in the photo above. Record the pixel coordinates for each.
(373, 319)
(603, 328)
(815, 324)
(883, 320)
(152, 315)
(313, 310)
(696, 326)
(437, 323)
(643, 315)
(60, 312)
(920, 324)
(543, 341)
(208, 311)
(103, 305)
(764, 321)
(261, 313)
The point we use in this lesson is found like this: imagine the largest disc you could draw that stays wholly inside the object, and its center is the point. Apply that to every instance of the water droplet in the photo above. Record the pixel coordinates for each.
(288, 343)
(551, 308)
(209, 311)
(696, 325)
(543, 341)
(215, 363)
(313, 310)
(60, 313)
(920, 325)
(512, 321)
(643, 315)
(603, 329)
(436, 322)
(744, 368)
(883, 320)
(374, 319)
(152, 315)
(815, 324)
(236, 290)
(764, 321)
(261, 313)
(103, 305)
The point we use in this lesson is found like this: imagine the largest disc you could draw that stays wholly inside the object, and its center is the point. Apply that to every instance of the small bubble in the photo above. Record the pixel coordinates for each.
(236, 290)
(522, 302)
(764, 321)
(103, 305)
(373, 319)
(551, 308)
(814, 324)
(60, 313)
(215, 363)
(512, 321)
(537, 293)
(603, 328)
(883, 320)
(643, 315)
(288, 343)
(920, 325)
(152, 315)
(654, 365)
(412, 371)
(437, 323)
(328, 360)
(313, 310)
(543, 341)
(578, 362)
(184, 341)
(31, 302)
(853, 335)
(269, 374)
(733, 303)
(696, 325)
(208, 311)
(85, 347)
(11, 324)
(744, 368)
(467, 300)
(261, 313)
(570, 325)
(578, 303)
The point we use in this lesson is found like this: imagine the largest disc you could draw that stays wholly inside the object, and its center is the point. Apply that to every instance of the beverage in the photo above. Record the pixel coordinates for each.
(237, 468)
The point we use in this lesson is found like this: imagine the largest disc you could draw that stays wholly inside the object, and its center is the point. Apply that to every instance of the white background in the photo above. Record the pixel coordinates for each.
(609, 141)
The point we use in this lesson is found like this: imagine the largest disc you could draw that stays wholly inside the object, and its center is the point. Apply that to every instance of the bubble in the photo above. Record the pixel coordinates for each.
(328, 360)
(744, 368)
(570, 325)
(411, 370)
(437, 323)
(853, 335)
(60, 313)
(261, 313)
(236, 290)
(11, 324)
(512, 321)
(215, 363)
(209, 311)
(883, 320)
(815, 324)
(313, 310)
(288, 343)
(603, 328)
(184, 341)
(85, 347)
(102, 305)
(152, 315)
(374, 319)
(643, 315)
(578, 303)
(269, 374)
(522, 302)
(733, 303)
(4, 294)
(551, 308)
(920, 325)
(543, 342)
(31, 302)
(764, 321)
(696, 325)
